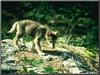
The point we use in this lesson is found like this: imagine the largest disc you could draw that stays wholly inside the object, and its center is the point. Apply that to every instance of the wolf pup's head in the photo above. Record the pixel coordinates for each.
(52, 37)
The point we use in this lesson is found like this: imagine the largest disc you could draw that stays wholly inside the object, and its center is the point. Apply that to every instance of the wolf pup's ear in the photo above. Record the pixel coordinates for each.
(56, 33)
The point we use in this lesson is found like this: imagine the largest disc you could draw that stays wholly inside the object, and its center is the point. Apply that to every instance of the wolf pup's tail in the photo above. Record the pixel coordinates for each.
(12, 29)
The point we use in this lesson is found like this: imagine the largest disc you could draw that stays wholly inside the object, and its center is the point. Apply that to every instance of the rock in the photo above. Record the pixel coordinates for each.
(9, 41)
(50, 57)
(71, 66)
(11, 50)
(65, 55)
(7, 69)
(7, 66)
(10, 59)
(6, 43)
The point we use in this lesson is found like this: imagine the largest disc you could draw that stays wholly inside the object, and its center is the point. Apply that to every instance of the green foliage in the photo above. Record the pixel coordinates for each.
(49, 69)
(32, 62)
(36, 63)
(27, 38)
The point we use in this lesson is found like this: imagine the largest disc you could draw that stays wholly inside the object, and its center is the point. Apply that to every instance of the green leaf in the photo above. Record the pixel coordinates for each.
(49, 69)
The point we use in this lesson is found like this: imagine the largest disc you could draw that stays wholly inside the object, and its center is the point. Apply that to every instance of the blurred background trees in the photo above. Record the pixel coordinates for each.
(76, 22)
